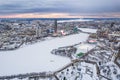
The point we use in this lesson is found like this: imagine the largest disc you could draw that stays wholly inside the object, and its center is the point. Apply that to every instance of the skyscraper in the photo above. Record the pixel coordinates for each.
(55, 26)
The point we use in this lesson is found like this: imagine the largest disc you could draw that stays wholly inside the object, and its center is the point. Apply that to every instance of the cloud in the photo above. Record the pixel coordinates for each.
(73, 7)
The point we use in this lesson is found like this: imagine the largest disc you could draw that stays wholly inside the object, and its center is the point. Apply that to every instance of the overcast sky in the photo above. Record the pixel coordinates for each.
(71, 7)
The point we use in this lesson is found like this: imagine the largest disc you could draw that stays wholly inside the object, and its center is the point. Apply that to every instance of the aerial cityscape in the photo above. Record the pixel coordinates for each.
(60, 49)
(59, 40)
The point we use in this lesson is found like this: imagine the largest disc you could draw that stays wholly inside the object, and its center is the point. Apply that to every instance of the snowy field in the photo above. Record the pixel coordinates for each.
(84, 48)
(88, 30)
(37, 57)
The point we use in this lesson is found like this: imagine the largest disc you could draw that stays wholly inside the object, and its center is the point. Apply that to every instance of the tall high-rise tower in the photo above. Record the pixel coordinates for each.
(55, 26)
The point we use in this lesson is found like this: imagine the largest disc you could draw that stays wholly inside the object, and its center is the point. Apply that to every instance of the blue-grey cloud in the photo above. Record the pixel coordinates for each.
(59, 6)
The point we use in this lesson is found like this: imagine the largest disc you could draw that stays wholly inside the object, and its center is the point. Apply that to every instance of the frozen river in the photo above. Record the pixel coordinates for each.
(37, 57)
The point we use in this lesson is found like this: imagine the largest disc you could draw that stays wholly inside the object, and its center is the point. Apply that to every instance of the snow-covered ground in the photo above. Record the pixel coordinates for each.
(84, 47)
(113, 70)
(88, 30)
(37, 57)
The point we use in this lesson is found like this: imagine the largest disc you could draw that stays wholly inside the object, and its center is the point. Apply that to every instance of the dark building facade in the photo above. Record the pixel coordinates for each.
(55, 26)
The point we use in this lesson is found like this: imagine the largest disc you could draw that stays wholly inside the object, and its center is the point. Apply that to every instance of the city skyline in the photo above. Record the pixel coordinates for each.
(60, 9)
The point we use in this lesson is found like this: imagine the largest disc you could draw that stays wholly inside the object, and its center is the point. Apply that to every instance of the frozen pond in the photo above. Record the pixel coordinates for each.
(37, 57)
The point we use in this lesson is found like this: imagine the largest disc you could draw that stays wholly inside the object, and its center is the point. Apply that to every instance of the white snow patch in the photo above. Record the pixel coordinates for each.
(84, 47)
(88, 30)
(75, 20)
